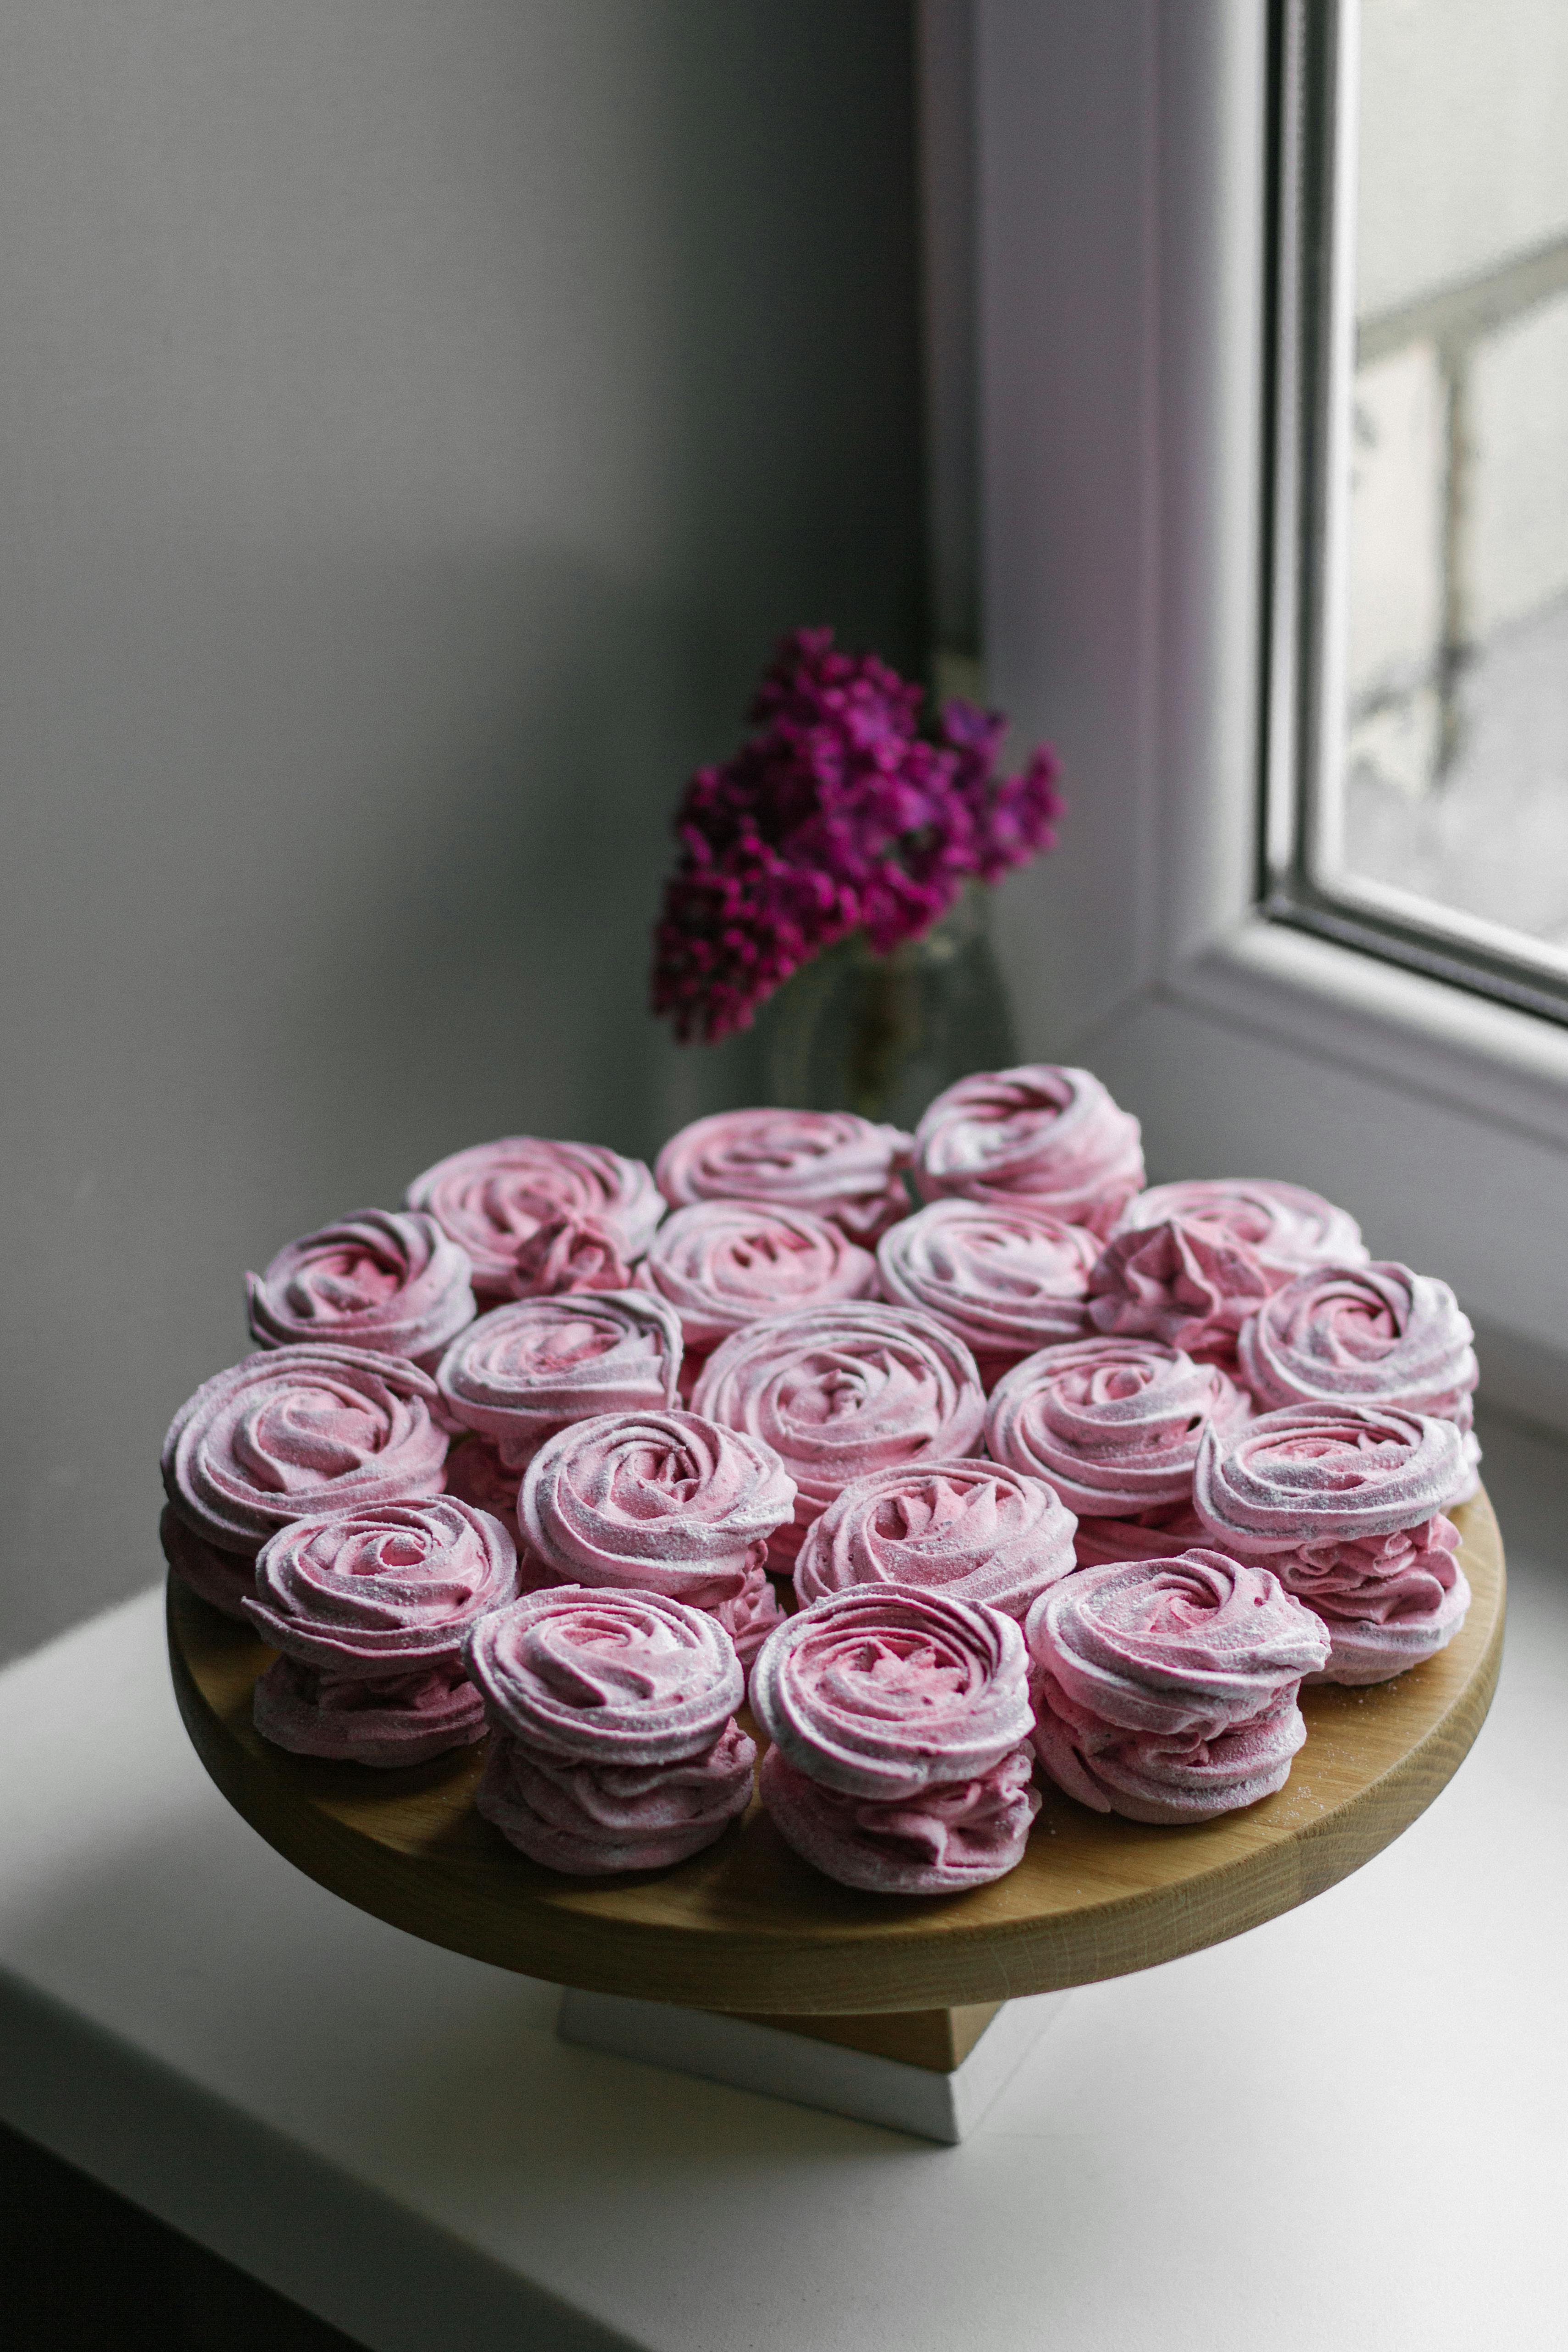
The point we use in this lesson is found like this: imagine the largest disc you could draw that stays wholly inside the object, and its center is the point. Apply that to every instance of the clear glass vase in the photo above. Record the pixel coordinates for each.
(881, 1034)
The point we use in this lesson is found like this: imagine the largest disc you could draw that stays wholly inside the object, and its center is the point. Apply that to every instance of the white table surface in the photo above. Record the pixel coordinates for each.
(1345, 2132)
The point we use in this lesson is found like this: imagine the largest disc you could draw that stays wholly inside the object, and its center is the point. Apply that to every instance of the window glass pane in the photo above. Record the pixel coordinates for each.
(1456, 771)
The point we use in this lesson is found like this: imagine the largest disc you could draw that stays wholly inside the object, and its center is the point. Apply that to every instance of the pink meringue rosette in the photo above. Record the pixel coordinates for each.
(723, 1264)
(832, 1162)
(1006, 1281)
(1186, 1284)
(614, 1744)
(1114, 1425)
(523, 1371)
(977, 1530)
(370, 1608)
(381, 1280)
(1345, 1504)
(1039, 1136)
(1375, 1334)
(569, 1253)
(286, 1433)
(1286, 1227)
(839, 1391)
(1167, 1689)
(899, 1720)
(663, 1502)
(492, 1196)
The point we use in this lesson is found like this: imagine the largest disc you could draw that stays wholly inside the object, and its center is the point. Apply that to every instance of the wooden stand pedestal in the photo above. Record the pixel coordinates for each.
(932, 2071)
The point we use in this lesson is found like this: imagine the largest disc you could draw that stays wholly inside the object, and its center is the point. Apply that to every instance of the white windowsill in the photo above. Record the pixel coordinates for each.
(1418, 1035)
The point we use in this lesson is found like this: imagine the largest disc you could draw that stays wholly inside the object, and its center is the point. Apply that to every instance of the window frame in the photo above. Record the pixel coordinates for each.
(1312, 344)
(1127, 560)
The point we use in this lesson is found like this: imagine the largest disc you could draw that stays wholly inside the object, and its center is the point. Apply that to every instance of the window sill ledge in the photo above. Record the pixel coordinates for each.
(1420, 1036)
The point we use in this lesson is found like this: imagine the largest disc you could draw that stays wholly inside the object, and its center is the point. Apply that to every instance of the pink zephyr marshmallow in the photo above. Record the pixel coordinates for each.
(370, 1608)
(288, 1432)
(614, 1744)
(663, 1502)
(1039, 1136)
(1114, 1425)
(567, 1253)
(387, 1281)
(523, 1371)
(1167, 1689)
(900, 1723)
(1286, 1227)
(829, 1161)
(1345, 1504)
(977, 1530)
(1366, 1334)
(723, 1264)
(492, 1196)
(839, 1391)
(1184, 1283)
(1005, 1280)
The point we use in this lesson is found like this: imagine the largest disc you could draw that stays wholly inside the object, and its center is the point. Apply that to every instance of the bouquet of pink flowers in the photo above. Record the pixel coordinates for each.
(839, 815)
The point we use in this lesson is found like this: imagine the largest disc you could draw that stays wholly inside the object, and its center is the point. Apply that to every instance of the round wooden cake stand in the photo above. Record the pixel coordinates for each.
(747, 1927)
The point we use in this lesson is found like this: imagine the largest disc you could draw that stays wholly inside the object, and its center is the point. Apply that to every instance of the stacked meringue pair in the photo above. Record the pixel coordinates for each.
(1167, 1690)
(285, 1436)
(1345, 1504)
(614, 1743)
(899, 1721)
(1113, 1427)
(369, 1610)
(664, 1503)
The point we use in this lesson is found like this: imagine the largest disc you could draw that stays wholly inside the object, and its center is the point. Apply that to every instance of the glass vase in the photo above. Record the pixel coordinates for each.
(881, 1034)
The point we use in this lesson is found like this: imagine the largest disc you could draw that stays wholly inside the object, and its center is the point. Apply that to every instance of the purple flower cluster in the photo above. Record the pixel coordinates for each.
(836, 816)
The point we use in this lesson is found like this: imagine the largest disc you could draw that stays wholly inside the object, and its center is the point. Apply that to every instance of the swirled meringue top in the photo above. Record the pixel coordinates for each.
(1113, 1424)
(292, 1431)
(1183, 1282)
(605, 1676)
(1373, 1334)
(721, 1264)
(492, 1197)
(391, 1585)
(1285, 1226)
(976, 1529)
(522, 1372)
(830, 1162)
(663, 1501)
(884, 1689)
(1192, 1645)
(379, 1279)
(568, 1253)
(838, 1391)
(1312, 1474)
(1040, 1135)
(1006, 1280)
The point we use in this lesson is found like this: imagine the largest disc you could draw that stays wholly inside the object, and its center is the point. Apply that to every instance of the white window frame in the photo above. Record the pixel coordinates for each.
(1119, 174)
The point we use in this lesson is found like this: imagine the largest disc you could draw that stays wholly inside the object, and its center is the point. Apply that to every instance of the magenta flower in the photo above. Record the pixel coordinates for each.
(836, 816)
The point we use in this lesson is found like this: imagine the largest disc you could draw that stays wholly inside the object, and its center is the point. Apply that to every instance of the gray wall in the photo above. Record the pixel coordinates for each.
(417, 419)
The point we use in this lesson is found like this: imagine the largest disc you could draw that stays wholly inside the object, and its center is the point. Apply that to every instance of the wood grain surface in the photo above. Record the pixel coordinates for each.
(748, 1927)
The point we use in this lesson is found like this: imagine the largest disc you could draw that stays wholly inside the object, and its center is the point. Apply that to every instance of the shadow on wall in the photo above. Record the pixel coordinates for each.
(525, 875)
(417, 446)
